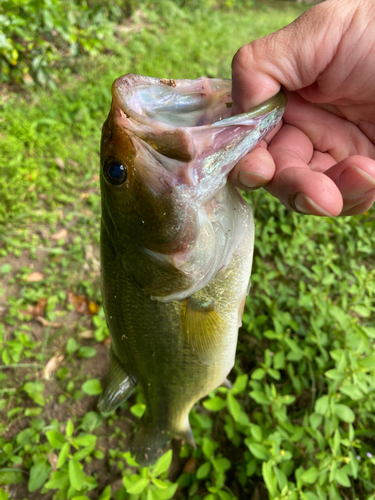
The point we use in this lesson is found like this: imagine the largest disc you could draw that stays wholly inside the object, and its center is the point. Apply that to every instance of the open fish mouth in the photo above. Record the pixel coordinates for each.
(190, 121)
(178, 103)
(185, 103)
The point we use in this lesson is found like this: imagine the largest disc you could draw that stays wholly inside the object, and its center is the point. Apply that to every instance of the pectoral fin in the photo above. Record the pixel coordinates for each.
(204, 329)
(119, 386)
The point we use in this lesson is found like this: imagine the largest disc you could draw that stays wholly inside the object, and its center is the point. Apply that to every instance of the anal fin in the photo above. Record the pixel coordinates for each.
(187, 436)
(119, 386)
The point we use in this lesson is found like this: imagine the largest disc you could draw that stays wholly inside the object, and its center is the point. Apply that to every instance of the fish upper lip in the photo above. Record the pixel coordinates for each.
(188, 143)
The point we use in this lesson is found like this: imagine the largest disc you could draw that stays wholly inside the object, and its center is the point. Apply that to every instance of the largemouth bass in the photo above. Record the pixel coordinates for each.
(176, 245)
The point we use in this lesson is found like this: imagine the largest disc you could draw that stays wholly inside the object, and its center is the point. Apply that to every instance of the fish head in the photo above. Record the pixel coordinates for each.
(138, 192)
(167, 149)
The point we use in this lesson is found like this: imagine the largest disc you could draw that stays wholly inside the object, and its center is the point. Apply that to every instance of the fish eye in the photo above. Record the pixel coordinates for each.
(115, 171)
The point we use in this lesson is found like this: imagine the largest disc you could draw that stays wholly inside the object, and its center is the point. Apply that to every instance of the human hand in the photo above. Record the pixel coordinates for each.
(321, 159)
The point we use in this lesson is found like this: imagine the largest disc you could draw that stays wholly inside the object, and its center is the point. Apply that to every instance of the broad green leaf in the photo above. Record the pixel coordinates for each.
(86, 352)
(234, 406)
(223, 495)
(352, 391)
(56, 439)
(322, 405)
(269, 478)
(72, 345)
(315, 420)
(59, 480)
(354, 464)
(279, 360)
(258, 450)
(76, 474)
(362, 310)
(256, 432)
(208, 447)
(221, 464)
(81, 497)
(139, 486)
(106, 493)
(92, 420)
(310, 475)
(203, 470)
(243, 419)
(10, 477)
(332, 471)
(138, 410)
(282, 480)
(92, 387)
(336, 442)
(335, 374)
(130, 460)
(83, 452)
(34, 391)
(274, 373)
(163, 464)
(129, 482)
(251, 467)
(159, 483)
(342, 478)
(63, 455)
(39, 473)
(309, 495)
(258, 374)
(215, 404)
(368, 362)
(287, 399)
(69, 429)
(151, 495)
(344, 413)
(201, 420)
(167, 493)
(85, 440)
(3, 495)
(240, 383)
(260, 398)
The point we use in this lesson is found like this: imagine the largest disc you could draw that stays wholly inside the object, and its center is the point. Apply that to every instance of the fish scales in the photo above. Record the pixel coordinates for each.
(176, 246)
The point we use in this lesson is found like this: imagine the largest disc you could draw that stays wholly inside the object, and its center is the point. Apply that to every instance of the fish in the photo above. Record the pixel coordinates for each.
(176, 244)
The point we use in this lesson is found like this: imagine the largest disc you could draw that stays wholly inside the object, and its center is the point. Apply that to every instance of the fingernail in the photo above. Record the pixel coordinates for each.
(354, 182)
(251, 180)
(305, 205)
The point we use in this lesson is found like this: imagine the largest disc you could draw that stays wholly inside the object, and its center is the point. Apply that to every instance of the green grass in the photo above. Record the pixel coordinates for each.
(298, 423)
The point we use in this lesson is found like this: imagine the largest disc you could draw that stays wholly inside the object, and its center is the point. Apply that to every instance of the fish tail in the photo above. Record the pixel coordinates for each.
(149, 442)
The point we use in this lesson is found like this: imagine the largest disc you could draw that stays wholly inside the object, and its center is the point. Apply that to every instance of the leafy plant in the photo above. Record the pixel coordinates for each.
(298, 421)
(150, 483)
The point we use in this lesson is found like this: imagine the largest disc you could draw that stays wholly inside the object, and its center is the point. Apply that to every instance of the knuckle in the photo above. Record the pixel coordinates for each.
(242, 56)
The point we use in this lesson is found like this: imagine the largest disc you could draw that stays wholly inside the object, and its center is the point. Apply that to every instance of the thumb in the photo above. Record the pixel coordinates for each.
(293, 57)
